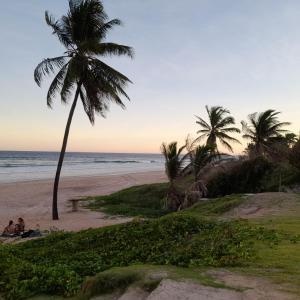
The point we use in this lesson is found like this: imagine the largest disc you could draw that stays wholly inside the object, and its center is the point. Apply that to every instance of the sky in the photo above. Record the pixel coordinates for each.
(243, 55)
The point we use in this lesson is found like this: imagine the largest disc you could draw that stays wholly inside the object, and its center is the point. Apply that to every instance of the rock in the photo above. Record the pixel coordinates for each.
(173, 290)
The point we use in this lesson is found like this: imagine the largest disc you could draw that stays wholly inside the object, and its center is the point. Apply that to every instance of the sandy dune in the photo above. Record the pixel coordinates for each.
(32, 200)
(267, 204)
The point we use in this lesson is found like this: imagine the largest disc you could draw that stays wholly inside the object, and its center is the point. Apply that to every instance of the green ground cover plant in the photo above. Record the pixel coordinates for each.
(215, 207)
(59, 263)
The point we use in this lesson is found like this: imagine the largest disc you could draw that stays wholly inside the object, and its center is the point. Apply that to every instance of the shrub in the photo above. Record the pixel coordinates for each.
(294, 156)
(246, 177)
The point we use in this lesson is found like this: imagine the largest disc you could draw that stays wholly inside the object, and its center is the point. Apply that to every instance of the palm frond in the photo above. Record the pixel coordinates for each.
(68, 83)
(48, 66)
(231, 129)
(56, 85)
(226, 144)
(203, 123)
(201, 137)
(59, 30)
(106, 27)
(110, 49)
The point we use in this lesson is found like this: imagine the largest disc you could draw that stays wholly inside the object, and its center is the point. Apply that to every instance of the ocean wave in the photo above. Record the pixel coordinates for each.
(15, 165)
(117, 162)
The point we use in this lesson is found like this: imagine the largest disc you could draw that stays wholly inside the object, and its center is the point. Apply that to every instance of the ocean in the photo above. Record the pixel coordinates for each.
(29, 165)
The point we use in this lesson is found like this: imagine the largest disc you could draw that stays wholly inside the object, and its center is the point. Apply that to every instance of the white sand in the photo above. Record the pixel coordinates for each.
(32, 200)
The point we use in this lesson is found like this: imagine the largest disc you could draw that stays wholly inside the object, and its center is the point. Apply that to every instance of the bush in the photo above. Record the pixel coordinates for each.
(59, 263)
(246, 177)
(294, 157)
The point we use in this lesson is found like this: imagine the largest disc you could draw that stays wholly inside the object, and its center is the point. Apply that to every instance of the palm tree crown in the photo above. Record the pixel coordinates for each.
(82, 31)
(200, 157)
(218, 127)
(262, 129)
(173, 160)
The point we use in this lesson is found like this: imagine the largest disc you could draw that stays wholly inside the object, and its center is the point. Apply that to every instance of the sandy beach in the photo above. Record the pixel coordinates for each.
(32, 200)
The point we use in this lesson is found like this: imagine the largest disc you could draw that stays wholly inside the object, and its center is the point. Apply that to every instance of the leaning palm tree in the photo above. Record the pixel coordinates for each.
(174, 164)
(79, 71)
(262, 129)
(218, 128)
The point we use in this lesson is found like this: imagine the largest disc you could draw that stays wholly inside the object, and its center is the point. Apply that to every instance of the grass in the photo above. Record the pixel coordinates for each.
(215, 207)
(147, 201)
(281, 262)
(144, 201)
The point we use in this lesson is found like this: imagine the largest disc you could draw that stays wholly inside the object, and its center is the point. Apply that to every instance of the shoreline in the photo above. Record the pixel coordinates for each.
(74, 177)
(32, 200)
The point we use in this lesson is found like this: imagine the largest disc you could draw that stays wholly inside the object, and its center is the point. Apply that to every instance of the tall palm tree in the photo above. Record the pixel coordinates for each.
(261, 129)
(219, 126)
(79, 71)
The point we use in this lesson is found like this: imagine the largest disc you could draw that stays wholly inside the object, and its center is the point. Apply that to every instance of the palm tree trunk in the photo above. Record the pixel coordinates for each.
(62, 155)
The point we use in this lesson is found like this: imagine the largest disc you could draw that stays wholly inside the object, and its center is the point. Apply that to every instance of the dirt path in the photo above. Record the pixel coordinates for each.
(267, 204)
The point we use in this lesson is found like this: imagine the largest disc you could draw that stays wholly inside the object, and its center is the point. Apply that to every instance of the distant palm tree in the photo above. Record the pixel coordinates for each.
(262, 129)
(219, 126)
(173, 160)
(290, 139)
(174, 164)
(280, 146)
(82, 32)
(200, 157)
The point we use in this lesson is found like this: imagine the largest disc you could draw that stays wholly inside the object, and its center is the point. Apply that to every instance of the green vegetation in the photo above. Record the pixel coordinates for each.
(246, 177)
(59, 263)
(144, 201)
(214, 207)
(271, 159)
(253, 176)
(281, 262)
(294, 156)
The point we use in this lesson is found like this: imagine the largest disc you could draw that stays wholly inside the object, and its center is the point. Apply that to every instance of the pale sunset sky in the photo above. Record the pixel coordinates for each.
(243, 55)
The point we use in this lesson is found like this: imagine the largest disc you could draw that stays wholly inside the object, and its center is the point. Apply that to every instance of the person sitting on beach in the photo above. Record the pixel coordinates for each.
(9, 230)
(20, 226)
